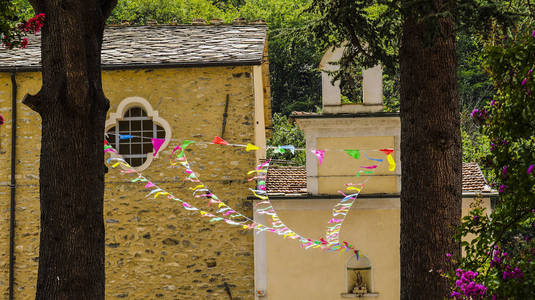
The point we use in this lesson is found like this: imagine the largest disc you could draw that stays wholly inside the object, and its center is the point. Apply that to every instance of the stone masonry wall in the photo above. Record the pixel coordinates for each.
(154, 248)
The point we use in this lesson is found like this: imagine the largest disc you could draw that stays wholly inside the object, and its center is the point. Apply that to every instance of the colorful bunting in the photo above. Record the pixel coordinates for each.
(339, 212)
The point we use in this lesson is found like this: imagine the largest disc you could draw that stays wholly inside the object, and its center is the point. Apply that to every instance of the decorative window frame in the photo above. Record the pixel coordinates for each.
(123, 107)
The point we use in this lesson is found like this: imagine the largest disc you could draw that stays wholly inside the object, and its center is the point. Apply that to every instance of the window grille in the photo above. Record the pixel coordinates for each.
(136, 123)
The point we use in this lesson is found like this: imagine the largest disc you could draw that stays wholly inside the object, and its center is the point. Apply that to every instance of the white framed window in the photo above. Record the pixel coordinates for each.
(131, 129)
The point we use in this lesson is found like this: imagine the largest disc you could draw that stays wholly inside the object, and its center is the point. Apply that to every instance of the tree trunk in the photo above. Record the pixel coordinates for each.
(430, 149)
(73, 109)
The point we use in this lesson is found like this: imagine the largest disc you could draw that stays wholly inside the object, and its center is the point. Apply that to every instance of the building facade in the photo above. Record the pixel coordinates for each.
(304, 198)
(170, 82)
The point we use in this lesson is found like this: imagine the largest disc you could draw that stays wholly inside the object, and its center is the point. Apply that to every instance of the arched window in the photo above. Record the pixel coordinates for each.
(131, 129)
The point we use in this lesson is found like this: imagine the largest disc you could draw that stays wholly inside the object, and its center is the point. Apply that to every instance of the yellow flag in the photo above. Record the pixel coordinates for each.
(349, 188)
(391, 163)
(251, 147)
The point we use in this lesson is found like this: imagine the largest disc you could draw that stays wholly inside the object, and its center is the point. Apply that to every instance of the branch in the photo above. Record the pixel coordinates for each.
(33, 102)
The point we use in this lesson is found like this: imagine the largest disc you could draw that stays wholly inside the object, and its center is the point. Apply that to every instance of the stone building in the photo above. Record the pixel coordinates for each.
(172, 82)
(304, 197)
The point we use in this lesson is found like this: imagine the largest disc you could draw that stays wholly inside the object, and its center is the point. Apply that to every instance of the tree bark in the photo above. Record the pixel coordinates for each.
(430, 149)
(73, 109)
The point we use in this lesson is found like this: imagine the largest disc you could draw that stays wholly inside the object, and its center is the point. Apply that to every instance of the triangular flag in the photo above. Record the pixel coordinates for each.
(387, 151)
(125, 136)
(289, 147)
(157, 144)
(251, 147)
(219, 141)
(279, 149)
(391, 163)
(149, 185)
(353, 153)
(186, 143)
(374, 159)
(320, 154)
(176, 149)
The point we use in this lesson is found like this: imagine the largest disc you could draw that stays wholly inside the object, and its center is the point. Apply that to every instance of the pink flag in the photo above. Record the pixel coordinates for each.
(320, 154)
(157, 143)
(149, 185)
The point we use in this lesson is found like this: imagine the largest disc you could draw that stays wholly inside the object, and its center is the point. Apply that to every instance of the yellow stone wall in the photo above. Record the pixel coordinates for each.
(154, 248)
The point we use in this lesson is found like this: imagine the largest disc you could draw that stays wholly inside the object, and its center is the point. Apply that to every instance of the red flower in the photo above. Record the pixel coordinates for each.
(24, 43)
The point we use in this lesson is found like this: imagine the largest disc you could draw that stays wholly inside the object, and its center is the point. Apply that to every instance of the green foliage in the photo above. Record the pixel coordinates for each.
(23, 9)
(504, 245)
(476, 147)
(287, 133)
(164, 11)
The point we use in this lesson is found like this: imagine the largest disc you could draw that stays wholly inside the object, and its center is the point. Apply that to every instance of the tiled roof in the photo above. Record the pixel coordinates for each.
(473, 179)
(293, 179)
(286, 180)
(161, 45)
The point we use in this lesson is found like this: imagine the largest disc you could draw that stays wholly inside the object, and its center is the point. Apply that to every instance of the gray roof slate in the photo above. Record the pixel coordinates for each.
(160, 46)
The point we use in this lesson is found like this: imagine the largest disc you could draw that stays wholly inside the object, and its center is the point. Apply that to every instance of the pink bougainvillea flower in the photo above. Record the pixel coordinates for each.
(524, 81)
(533, 33)
(504, 171)
(530, 169)
(1, 120)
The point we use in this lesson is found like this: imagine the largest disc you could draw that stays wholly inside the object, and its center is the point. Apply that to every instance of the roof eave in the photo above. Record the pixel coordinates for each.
(346, 115)
(282, 196)
(255, 62)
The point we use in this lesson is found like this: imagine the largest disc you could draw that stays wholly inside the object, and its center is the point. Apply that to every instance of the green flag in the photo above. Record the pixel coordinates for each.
(353, 153)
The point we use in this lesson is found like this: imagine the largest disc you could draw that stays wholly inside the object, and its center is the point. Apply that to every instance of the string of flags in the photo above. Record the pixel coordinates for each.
(318, 153)
(331, 242)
